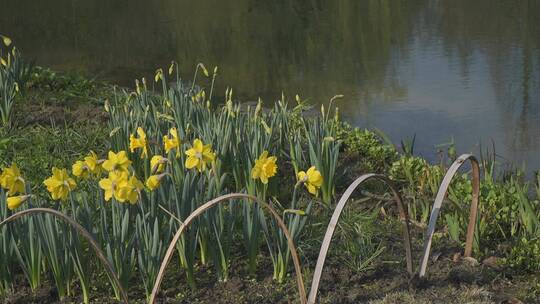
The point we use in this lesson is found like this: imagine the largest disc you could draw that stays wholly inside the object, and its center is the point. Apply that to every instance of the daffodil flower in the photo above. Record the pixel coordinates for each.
(265, 167)
(154, 181)
(11, 179)
(129, 190)
(199, 155)
(13, 202)
(312, 179)
(80, 169)
(59, 184)
(93, 163)
(111, 185)
(138, 143)
(157, 164)
(172, 142)
(90, 165)
(117, 162)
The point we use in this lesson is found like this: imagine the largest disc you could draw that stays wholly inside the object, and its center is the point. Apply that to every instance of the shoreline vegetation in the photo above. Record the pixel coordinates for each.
(181, 149)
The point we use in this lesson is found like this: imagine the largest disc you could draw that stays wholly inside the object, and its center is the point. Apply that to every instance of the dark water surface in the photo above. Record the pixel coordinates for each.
(467, 69)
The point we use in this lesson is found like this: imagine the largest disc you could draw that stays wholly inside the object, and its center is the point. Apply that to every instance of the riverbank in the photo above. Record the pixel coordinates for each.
(60, 118)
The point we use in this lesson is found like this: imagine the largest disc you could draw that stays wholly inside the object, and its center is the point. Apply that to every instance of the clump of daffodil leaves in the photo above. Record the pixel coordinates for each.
(169, 154)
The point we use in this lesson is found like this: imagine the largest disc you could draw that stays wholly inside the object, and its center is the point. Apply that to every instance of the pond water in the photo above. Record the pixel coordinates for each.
(443, 70)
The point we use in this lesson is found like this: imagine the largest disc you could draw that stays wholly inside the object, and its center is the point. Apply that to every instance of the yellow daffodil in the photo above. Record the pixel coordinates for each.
(117, 162)
(138, 143)
(157, 164)
(199, 155)
(80, 169)
(154, 181)
(59, 184)
(111, 184)
(172, 142)
(312, 179)
(93, 163)
(13, 202)
(90, 165)
(11, 179)
(129, 189)
(265, 167)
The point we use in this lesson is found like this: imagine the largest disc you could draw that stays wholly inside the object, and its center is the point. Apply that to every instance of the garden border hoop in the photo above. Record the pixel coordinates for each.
(441, 194)
(83, 232)
(222, 199)
(335, 218)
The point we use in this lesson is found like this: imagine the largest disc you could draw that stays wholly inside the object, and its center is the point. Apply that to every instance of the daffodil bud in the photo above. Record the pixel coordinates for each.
(205, 71)
(154, 181)
(258, 108)
(6, 40)
(14, 202)
(267, 129)
(159, 75)
(294, 211)
(137, 86)
(171, 68)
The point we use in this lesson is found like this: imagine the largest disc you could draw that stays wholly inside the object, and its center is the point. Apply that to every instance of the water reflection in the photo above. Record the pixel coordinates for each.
(436, 68)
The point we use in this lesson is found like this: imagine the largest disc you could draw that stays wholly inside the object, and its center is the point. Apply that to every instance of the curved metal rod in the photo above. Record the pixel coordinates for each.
(199, 211)
(441, 194)
(83, 232)
(335, 218)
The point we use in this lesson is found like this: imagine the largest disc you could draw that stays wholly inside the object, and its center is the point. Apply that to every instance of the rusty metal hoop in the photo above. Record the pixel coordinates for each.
(335, 218)
(441, 194)
(83, 232)
(199, 211)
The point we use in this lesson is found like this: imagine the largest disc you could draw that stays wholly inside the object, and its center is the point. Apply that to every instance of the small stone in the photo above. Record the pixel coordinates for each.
(456, 257)
(471, 261)
(491, 261)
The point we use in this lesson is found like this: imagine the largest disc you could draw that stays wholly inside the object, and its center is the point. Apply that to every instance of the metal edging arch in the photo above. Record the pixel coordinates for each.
(441, 194)
(335, 218)
(222, 199)
(83, 232)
